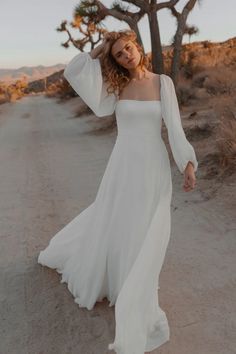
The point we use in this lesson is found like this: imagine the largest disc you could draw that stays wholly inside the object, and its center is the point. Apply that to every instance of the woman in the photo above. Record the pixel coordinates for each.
(115, 248)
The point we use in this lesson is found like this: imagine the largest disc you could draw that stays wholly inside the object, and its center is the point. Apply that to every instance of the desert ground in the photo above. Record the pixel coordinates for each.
(51, 167)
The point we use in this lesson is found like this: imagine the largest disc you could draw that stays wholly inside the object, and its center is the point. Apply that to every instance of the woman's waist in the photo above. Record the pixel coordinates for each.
(143, 128)
(138, 138)
(139, 134)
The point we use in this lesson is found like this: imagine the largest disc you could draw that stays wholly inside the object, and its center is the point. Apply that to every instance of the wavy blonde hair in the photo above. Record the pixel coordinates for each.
(115, 74)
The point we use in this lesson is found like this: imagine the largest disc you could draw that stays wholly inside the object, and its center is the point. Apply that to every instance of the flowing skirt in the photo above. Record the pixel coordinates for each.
(115, 247)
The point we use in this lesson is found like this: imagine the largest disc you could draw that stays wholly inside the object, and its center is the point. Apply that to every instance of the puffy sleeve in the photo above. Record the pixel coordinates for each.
(181, 149)
(85, 76)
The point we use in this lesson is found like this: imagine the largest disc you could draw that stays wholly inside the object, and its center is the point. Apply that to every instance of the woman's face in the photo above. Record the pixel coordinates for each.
(126, 53)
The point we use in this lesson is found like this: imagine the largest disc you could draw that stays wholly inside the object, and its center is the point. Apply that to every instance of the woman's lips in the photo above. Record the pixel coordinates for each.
(130, 61)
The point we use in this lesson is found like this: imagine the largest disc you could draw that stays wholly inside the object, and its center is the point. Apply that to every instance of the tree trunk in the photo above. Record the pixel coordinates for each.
(157, 58)
(176, 53)
(182, 19)
(134, 27)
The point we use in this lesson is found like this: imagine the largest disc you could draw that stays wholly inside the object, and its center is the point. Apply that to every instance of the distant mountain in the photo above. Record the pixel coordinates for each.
(29, 73)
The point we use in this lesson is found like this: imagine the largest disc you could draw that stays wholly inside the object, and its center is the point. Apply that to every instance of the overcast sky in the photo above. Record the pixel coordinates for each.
(28, 36)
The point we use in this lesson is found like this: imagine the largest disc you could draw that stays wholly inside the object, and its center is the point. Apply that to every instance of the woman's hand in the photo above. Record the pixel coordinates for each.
(105, 46)
(101, 49)
(189, 177)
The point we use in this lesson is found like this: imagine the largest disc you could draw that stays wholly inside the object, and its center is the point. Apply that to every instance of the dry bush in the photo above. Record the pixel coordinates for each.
(226, 142)
(226, 134)
(211, 161)
(220, 81)
(66, 91)
(199, 132)
(51, 94)
(185, 92)
(83, 110)
(199, 79)
(3, 99)
(207, 44)
(189, 68)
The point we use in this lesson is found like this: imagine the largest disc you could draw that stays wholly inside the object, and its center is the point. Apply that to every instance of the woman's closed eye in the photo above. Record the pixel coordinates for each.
(127, 47)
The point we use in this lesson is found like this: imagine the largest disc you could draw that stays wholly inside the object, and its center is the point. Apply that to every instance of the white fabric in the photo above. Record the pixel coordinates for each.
(115, 247)
(84, 75)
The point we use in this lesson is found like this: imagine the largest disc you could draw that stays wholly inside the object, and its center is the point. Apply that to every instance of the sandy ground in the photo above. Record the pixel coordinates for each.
(51, 167)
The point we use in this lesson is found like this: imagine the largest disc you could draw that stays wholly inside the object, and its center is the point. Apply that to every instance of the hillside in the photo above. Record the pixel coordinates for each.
(205, 54)
(28, 73)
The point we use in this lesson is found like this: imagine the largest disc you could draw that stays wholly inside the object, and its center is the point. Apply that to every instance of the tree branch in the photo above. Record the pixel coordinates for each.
(165, 4)
(143, 5)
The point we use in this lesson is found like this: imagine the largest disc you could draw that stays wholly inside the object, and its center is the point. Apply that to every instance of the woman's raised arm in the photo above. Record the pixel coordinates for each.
(85, 76)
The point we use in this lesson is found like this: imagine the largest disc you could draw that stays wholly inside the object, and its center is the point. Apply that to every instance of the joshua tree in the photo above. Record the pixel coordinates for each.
(190, 31)
(89, 14)
(88, 17)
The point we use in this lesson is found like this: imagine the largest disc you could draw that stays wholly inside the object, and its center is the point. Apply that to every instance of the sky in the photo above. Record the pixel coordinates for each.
(28, 35)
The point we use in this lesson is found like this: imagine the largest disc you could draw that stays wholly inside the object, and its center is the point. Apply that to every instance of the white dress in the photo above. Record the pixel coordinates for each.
(115, 247)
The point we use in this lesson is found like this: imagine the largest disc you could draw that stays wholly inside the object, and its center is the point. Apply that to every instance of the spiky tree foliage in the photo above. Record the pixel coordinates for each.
(190, 31)
(88, 18)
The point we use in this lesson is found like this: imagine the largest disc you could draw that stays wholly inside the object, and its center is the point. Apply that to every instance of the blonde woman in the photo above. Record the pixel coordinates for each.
(115, 248)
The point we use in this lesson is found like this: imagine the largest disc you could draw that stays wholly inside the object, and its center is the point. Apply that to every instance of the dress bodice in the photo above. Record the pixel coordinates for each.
(136, 117)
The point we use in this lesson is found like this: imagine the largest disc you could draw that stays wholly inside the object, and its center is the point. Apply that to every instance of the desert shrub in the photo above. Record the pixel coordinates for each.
(199, 132)
(51, 94)
(226, 141)
(185, 92)
(189, 67)
(196, 69)
(220, 81)
(226, 132)
(83, 110)
(3, 99)
(207, 44)
(199, 79)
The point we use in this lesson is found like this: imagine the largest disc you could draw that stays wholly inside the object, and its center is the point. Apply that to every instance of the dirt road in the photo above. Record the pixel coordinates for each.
(50, 171)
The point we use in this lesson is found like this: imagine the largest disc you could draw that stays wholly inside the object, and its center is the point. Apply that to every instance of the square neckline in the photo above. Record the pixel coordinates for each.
(127, 99)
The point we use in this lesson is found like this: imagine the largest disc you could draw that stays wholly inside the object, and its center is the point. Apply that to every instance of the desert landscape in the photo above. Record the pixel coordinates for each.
(53, 153)
(52, 163)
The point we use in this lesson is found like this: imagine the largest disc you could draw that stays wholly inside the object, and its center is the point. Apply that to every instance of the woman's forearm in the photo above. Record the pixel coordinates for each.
(96, 51)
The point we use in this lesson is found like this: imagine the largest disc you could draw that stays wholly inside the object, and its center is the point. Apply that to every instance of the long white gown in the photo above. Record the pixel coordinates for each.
(115, 247)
